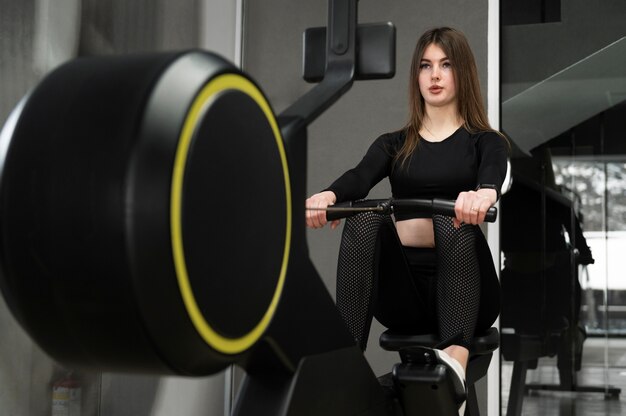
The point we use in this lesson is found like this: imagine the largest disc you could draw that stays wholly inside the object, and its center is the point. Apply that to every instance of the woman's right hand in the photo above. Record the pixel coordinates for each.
(316, 218)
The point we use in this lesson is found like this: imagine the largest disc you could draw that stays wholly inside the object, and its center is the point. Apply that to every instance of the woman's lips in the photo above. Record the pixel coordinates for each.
(435, 89)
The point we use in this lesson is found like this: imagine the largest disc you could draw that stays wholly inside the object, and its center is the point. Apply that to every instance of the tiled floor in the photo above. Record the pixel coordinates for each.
(593, 373)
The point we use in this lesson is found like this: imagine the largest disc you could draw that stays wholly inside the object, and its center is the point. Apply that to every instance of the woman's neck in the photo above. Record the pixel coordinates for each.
(440, 122)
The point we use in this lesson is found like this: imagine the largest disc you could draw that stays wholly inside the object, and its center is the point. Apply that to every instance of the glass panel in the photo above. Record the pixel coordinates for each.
(565, 118)
(585, 181)
(602, 187)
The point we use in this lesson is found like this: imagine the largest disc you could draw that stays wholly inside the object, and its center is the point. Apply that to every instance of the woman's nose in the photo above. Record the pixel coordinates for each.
(435, 73)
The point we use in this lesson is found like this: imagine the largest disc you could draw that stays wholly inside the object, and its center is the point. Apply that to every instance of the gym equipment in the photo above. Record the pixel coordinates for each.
(114, 170)
(374, 41)
(423, 384)
(113, 174)
(405, 205)
(540, 315)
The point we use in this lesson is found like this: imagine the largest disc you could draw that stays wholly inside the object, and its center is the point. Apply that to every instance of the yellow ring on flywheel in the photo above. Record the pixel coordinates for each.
(205, 97)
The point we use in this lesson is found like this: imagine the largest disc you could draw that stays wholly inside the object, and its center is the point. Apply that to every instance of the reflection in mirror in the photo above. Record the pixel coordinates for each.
(563, 222)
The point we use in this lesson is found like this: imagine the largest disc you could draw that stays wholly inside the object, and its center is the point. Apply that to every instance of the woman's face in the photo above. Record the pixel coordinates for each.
(436, 77)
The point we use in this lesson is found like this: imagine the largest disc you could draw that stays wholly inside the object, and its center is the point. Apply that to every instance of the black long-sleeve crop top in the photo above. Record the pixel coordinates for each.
(459, 163)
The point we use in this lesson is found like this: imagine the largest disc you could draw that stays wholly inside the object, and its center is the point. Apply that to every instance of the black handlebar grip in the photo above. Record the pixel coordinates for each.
(350, 208)
(435, 206)
(339, 214)
(446, 207)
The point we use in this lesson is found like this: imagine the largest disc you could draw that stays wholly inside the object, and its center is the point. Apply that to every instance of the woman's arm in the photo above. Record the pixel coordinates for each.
(471, 206)
(375, 165)
(355, 183)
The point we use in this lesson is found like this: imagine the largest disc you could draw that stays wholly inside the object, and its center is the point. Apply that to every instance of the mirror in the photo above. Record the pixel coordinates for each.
(562, 224)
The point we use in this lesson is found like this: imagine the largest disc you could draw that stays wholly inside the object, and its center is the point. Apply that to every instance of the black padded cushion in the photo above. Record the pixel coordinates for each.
(481, 343)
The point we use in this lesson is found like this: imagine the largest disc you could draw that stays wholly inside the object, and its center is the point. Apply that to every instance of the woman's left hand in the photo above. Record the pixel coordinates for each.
(471, 206)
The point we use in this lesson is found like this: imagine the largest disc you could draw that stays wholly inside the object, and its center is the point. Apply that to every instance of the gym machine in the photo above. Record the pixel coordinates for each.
(114, 172)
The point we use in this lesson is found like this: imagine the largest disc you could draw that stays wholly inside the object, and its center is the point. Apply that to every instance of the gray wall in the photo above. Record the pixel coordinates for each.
(340, 137)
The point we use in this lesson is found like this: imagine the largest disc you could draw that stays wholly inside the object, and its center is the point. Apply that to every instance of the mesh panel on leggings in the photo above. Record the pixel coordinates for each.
(356, 272)
(458, 279)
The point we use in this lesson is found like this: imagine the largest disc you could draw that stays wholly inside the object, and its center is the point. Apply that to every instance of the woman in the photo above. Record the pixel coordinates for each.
(446, 150)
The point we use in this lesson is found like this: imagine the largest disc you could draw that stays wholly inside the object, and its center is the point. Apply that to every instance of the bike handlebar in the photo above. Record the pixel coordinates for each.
(389, 206)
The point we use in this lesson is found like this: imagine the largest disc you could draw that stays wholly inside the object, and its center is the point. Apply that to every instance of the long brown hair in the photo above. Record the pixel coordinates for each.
(470, 103)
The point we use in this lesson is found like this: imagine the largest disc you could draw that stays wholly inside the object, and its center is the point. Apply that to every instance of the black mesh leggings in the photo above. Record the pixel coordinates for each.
(458, 280)
(374, 278)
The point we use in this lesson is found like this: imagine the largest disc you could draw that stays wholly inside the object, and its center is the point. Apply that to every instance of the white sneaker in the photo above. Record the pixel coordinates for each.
(457, 370)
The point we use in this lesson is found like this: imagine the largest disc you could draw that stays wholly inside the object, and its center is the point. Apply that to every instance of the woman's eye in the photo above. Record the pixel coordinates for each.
(424, 66)
(447, 65)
